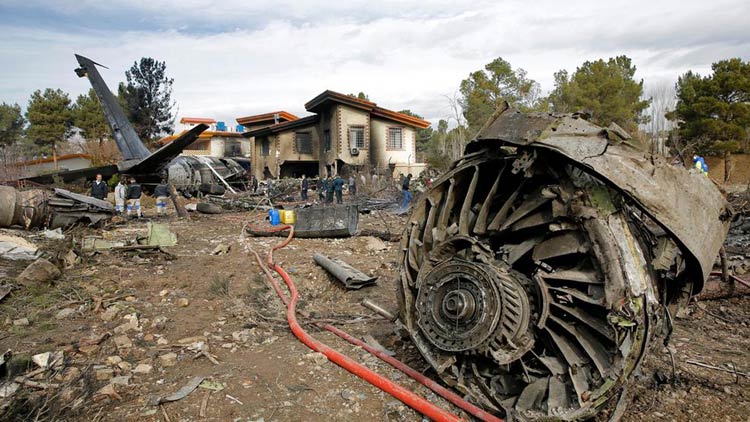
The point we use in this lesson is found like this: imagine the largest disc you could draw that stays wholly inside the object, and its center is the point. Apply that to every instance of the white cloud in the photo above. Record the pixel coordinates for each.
(260, 57)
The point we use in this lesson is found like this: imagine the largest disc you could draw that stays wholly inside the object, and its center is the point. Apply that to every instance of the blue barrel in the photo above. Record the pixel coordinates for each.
(274, 216)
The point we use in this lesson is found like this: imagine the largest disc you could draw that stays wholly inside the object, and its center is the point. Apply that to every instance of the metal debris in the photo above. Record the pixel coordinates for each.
(352, 278)
(326, 221)
(181, 393)
(534, 273)
(95, 244)
(17, 248)
(42, 208)
(160, 235)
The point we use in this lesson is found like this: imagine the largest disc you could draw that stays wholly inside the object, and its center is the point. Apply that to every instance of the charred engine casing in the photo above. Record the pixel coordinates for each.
(539, 269)
(52, 209)
(193, 174)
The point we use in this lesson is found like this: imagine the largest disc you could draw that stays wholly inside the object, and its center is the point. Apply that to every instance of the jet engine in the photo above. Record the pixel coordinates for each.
(539, 270)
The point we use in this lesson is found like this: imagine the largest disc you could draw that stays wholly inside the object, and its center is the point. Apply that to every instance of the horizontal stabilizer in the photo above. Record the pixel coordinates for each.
(158, 160)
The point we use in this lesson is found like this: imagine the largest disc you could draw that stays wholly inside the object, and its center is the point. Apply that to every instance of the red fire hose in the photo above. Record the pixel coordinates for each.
(437, 388)
(407, 397)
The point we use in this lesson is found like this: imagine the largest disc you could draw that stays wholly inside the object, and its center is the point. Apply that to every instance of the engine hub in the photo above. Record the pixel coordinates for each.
(463, 306)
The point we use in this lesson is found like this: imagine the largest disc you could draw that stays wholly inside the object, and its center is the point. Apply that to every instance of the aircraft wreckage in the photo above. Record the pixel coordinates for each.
(52, 209)
(539, 270)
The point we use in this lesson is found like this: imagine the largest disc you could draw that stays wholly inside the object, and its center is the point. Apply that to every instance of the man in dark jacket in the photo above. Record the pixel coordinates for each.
(405, 188)
(329, 190)
(99, 188)
(134, 198)
(304, 185)
(161, 192)
(338, 187)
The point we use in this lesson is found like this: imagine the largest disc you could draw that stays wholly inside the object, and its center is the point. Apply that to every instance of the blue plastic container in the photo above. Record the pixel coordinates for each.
(274, 217)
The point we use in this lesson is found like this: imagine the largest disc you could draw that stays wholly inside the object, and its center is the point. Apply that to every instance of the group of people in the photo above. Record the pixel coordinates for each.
(328, 187)
(128, 196)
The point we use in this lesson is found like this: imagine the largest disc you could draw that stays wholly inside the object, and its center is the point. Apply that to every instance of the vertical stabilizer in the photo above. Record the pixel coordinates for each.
(127, 140)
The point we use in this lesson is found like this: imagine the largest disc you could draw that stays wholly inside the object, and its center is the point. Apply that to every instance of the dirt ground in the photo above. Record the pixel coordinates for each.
(156, 309)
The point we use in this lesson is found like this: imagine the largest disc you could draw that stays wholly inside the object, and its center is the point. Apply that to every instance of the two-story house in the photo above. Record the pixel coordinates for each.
(344, 134)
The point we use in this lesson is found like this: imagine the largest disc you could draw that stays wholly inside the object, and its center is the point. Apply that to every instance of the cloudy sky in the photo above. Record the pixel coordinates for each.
(236, 58)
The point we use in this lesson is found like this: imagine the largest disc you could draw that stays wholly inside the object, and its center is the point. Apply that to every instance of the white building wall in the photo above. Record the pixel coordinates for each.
(383, 156)
(217, 147)
(348, 116)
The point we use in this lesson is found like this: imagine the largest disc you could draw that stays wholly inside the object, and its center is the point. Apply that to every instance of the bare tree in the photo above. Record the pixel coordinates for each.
(663, 100)
(457, 137)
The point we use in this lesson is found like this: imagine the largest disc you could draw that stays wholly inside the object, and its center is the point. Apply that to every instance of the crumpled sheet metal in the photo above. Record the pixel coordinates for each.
(351, 277)
(326, 221)
(684, 202)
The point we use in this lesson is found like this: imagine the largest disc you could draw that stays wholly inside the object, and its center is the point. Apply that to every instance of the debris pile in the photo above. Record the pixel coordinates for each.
(42, 208)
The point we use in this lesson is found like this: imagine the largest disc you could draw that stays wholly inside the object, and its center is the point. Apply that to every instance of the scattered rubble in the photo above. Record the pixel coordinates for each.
(65, 313)
(17, 248)
(241, 339)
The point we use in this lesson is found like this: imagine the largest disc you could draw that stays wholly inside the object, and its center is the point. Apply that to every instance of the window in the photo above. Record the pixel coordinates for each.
(304, 142)
(232, 149)
(395, 139)
(327, 140)
(264, 147)
(357, 137)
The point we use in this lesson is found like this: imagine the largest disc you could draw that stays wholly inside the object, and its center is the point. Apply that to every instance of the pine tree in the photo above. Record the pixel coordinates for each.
(50, 119)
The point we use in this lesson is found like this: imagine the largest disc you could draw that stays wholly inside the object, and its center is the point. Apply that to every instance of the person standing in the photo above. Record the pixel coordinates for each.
(322, 186)
(161, 192)
(99, 188)
(352, 185)
(329, 190)
(120, 191)
(304, 186)
(338, 187)
(134, 198)
(405, 188)
(255, 184)
(700, 164)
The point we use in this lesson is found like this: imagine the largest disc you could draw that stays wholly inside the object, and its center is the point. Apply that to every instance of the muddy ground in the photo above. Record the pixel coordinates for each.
(150, 310)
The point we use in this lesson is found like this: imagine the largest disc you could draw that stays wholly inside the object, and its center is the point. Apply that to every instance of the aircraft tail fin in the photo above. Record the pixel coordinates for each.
(126, 138)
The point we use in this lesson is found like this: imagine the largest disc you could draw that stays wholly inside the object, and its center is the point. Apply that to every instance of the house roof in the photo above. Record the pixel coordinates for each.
(202, 137)
(59, 158)
(329, 96)
(279, 127)
(400, 117)
(197, 120)
(267, 117)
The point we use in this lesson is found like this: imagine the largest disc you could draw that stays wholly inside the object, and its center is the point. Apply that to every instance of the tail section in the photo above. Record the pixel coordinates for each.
(127, 140)
(137, 158)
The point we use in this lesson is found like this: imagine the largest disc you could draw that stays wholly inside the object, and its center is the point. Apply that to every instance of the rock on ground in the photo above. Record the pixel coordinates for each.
(39, 271)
